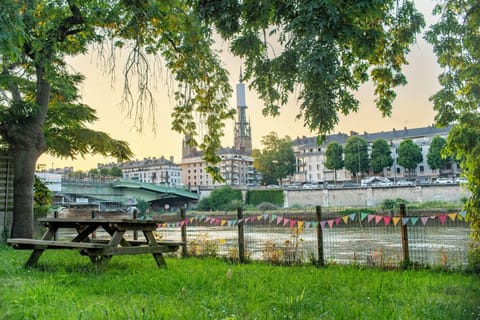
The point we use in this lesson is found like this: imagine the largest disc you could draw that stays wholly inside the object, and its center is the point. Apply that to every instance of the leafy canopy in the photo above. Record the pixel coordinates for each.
(356, 155)
(381, 156)
(276, 160)
(456, 43)
(409, 154)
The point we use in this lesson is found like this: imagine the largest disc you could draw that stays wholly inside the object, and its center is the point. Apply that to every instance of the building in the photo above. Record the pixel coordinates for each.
(311, 157)
(236, 165)
(150, 170)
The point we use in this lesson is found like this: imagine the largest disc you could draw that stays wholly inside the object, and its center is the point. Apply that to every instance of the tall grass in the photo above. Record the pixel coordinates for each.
(66, 285)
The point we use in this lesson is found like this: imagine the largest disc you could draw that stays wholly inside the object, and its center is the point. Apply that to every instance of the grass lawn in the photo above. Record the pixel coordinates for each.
(66, 285)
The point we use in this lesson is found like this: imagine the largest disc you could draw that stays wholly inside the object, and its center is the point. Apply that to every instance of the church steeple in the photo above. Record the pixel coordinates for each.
(243, 136)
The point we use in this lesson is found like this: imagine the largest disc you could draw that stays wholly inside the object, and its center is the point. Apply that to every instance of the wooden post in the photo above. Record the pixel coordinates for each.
(403, 228)
(241, 239)
(321, 261)
(135, 232)
(94, 233)
(55, 215)
(183, 231)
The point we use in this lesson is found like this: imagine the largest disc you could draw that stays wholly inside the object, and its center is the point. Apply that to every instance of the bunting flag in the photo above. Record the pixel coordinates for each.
(300, 224)
(352, 216)
(322, 224)
(315, 225)
(208, 219)
(345, 219)
(414, 220)
(463, 214)
(378, 218)
(386, 220)
(442, 218)
(265, 216)
(203, 217)
(223, 223)
(285, 221)
(279, 219)
(274, 217)
(308, 224)
(330, 223)
(395, 220)
(370, 217)
(405, 221)
(259, 218)
(452, 216)
(425, 220)
(363, 216)
(292, 223)
(337, 221)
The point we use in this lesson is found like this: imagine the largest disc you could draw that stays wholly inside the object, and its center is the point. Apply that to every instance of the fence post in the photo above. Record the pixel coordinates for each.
(183, 231)
(403, 228)
(94, 233)
(241, 239)
(55, 215)
(321, 261)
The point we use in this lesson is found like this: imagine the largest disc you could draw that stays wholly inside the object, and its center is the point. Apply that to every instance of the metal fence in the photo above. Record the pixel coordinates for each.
(385, 239)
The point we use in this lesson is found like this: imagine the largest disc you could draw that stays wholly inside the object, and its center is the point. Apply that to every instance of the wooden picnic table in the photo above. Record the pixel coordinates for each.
(98, 250)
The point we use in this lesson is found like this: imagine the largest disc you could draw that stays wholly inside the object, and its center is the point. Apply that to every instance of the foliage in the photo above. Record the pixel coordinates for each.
(203, 246)
(255, 197)
(276, 160)
(455, 39)
(115, 172)
(41, 194)
(435, 158)
(266, 206)
(409, 155)
(389, 204)
(334, 157)
(143, 207)
(356, 155)
(224, 198)
(381, 156)
(66, 285)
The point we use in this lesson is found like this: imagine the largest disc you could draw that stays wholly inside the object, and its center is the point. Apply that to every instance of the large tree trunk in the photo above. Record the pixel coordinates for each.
(24, 162)
(27, 144)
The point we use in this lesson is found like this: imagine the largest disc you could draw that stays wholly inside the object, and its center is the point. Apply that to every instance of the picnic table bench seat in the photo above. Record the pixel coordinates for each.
(24, 243)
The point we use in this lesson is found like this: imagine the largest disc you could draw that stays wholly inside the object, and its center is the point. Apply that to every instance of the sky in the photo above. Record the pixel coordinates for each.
(411, 108)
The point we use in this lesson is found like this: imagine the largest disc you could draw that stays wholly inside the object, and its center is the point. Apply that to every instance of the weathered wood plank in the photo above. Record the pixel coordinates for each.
(21, 243)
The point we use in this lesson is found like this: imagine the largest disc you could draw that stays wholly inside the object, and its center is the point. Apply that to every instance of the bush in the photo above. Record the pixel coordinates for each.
(266, 206)
(224, 198)
(256, 197)
(389, 204)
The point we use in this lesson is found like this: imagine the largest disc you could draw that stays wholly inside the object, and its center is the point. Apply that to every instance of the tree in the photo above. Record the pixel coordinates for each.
(334, 157)
(277, 159)
(115, 172)
(409, 155)
(381, 156)
(356, 155)
(455, 39)
(435, 157)
(327, 48)
(225, 198)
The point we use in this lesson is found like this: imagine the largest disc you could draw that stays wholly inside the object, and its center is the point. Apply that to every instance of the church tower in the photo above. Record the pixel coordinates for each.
(243, 136)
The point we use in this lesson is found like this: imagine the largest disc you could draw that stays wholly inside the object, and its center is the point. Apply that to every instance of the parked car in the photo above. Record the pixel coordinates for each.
(444, 181)
(349, 184)
(423, 181)
(461, 180)
(404, 183)
(273, 186)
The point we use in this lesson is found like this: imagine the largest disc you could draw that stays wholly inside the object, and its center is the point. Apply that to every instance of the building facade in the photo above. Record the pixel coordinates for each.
(310, 157)
(150, 170)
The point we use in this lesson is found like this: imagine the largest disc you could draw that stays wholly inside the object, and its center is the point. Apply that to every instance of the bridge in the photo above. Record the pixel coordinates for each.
(114, 194)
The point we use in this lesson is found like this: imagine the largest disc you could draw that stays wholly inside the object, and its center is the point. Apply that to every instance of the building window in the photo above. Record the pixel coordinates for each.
(422, 169)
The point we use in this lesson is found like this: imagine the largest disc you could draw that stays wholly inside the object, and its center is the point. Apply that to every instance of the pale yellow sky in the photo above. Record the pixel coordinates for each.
(412, 108)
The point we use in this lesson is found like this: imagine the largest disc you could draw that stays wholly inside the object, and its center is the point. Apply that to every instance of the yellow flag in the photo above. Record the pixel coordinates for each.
(345, 219)
(452, 216)
(300, 224)
(223, 222)
(395, 220)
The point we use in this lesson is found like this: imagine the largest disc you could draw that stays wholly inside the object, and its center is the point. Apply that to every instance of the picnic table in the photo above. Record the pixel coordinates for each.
(99, 251)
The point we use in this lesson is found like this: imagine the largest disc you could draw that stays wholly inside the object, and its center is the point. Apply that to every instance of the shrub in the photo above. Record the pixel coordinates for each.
(255, 197)
(266, 206)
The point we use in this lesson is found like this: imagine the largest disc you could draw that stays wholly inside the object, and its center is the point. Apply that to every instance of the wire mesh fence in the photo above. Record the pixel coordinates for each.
(375, 238)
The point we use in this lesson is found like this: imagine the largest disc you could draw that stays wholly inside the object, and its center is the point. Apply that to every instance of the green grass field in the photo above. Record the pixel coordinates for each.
(66, 285)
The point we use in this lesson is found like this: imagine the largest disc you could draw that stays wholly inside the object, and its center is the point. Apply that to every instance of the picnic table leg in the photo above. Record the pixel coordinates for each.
(36, 253)
(161, 263)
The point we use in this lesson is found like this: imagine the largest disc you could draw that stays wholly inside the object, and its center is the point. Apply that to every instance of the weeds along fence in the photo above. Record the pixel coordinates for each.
(383, 239)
